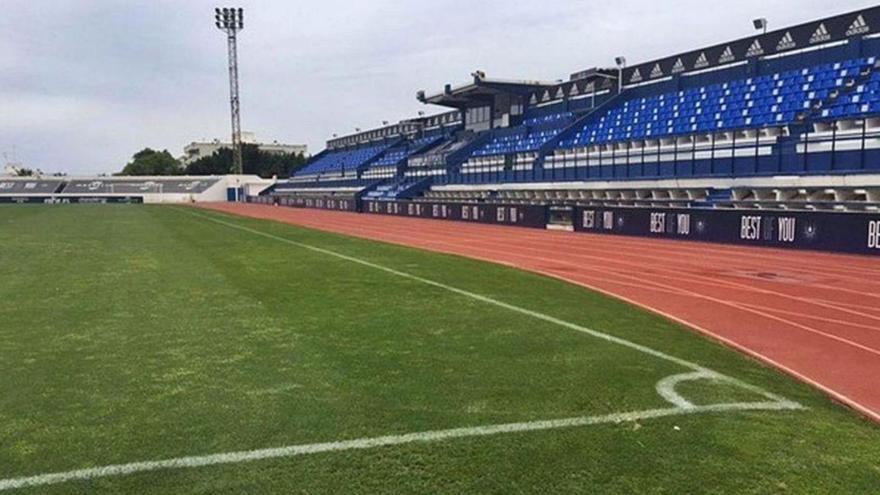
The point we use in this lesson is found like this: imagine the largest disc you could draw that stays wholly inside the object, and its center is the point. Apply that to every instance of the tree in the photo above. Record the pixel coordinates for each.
(218, 163)
(270, 164)
(152, 162)
(25, 172)
(254, 161)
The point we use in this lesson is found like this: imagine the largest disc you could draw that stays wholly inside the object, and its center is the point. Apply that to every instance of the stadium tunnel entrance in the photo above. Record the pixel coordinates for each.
(560, 218)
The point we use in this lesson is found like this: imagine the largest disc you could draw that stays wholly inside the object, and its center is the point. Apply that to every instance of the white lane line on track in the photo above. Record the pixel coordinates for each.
(666, 388)
(375, 442)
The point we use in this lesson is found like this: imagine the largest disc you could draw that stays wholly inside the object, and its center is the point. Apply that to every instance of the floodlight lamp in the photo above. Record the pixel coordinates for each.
(760, 24)
(620, 61)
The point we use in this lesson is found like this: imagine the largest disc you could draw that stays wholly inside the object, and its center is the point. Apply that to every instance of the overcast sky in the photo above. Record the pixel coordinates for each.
(85, 84)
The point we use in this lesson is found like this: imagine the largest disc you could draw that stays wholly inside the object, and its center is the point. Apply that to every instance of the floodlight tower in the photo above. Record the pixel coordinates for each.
(231, 21)
(621, 64)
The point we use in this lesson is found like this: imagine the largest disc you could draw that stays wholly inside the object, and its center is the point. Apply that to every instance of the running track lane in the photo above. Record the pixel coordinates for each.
(813, 315)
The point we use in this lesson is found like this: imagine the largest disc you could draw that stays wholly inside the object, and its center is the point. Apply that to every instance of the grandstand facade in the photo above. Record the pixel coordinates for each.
(123, 189)
(783, 121)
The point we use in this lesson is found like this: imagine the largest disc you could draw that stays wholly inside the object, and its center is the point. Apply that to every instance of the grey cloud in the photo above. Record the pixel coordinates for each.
(84, 84)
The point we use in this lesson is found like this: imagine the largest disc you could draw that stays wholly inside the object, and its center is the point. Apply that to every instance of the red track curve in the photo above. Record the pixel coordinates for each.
(813, 315)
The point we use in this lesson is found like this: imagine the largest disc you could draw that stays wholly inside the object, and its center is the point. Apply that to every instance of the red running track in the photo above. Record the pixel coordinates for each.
(814, 315)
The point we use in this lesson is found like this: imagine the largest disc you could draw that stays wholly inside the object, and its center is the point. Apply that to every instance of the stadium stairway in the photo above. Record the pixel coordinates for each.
(454, 160)
(393, 162)
(714, 198)
(459, 156)
(400, 188)
(569, 132)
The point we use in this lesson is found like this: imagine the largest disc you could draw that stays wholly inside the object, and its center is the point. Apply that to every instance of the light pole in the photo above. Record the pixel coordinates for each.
(621, 64)
(231, 21)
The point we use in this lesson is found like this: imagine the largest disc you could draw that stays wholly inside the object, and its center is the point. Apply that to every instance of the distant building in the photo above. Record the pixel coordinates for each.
(199, 149)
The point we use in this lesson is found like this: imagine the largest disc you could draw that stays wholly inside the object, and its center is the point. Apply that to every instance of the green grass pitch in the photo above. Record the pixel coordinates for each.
(148, 333)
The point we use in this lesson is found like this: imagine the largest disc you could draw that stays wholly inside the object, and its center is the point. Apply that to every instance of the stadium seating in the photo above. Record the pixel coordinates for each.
(865, 99)
(341, 161)
(773, 99)
(120, 185)
(809, 108)
(436, 160)
(399, 153)
(140, 186)
(30, 186)
(528, 137)
(388, 164)
(396, 190)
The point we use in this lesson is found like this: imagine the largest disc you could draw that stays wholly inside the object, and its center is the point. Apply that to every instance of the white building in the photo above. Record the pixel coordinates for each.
(199, 149)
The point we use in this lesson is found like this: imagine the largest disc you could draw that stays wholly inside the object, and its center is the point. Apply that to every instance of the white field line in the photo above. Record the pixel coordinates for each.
(702, 371)
(494, 302)
(383, 441)
(665, 387)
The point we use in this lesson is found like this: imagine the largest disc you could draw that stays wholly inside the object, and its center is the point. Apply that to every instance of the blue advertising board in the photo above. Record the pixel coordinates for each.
(534, 216)
(824, 231)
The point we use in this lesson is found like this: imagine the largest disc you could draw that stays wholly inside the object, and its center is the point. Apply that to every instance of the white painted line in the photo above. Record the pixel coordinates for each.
(511, 307)
(375, 442)
(666, 388)
(461, 292)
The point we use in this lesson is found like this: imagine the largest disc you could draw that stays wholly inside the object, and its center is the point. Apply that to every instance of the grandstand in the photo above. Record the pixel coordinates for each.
(786, 120)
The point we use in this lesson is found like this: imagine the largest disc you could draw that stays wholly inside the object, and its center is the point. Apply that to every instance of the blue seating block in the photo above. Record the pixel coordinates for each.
(774, 99)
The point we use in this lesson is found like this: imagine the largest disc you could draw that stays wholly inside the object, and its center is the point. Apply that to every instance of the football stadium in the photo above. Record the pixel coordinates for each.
(651, 276)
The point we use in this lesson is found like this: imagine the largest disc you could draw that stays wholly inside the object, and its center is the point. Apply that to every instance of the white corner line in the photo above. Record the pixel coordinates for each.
(375, 442)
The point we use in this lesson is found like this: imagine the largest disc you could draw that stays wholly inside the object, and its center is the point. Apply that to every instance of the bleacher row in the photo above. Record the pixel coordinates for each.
(516, 143)
(349, 160)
